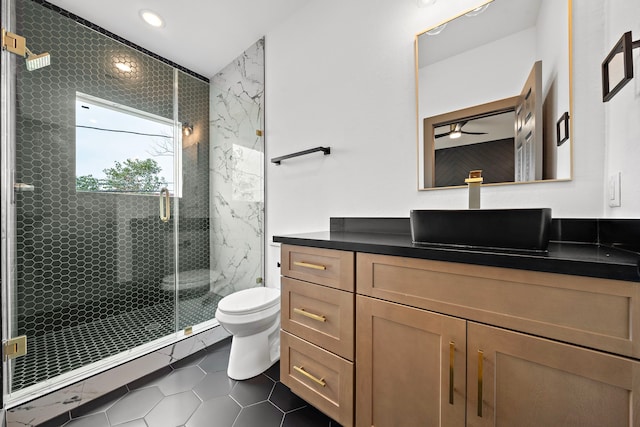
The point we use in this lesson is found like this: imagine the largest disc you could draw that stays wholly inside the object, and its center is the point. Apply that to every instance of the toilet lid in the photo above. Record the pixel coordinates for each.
(192, 277)
(249, 300)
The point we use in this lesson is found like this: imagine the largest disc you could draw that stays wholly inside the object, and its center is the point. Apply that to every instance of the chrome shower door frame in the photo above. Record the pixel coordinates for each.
(7, 182)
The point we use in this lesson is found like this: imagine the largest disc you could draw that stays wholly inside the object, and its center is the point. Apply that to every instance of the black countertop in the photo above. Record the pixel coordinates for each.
(580, 259)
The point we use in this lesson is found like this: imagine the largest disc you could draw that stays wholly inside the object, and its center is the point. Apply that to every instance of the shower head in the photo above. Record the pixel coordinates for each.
(35, 62)
(17, 44)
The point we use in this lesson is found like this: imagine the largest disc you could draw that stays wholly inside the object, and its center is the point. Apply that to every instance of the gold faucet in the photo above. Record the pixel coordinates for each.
(474, 181)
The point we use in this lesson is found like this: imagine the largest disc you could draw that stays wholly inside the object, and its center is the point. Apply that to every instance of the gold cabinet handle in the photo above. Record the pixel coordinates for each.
(452, 352)
(303, 312)
(309, 265)
(313, 378)
(480, 380)
(165, 205)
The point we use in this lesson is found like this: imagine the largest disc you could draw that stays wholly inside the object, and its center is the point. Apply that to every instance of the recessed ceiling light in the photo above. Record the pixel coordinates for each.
(151, 18)
(426, 3)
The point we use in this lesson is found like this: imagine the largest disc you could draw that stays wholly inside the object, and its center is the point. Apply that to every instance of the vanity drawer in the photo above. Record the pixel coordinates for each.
(327, 267)
(319, 377)
(597, 313)
(319, 314)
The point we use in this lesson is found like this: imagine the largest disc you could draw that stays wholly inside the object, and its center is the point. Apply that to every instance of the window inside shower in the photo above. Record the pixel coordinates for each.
(124, 150)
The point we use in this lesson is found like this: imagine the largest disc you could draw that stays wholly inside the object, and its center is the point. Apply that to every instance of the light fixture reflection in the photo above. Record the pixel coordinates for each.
(478, 10)
(436, 30)
(187, 129)
(125, 68)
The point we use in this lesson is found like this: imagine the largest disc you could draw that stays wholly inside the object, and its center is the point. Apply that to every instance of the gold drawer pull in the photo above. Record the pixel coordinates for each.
(308, 375)
(480, 381)
(303, 312)
(309, 265)
(452, 352)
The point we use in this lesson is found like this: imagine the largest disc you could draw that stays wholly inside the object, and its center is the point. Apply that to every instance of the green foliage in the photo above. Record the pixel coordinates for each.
(130, 176)
(87, 183)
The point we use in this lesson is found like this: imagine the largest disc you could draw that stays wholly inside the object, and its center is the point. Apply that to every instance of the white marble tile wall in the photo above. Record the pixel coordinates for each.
(237, 171)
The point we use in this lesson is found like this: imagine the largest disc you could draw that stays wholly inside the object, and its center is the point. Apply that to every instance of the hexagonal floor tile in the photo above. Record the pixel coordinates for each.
(284, 399)
(135, 404)
(253, 390)
(308, 417)
(263, 414)
(274, 372)
(181, 380)
(135, 423)
(224, 410)
(173, 410)
(214, 385)
(216, 361)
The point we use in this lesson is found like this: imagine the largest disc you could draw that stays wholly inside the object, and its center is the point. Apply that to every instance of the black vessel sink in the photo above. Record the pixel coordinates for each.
(519, 229)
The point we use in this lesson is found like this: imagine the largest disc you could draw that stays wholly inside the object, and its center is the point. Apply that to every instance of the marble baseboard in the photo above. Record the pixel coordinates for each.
(59, 403)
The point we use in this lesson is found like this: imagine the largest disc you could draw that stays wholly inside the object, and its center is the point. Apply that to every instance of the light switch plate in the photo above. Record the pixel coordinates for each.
(614, 190)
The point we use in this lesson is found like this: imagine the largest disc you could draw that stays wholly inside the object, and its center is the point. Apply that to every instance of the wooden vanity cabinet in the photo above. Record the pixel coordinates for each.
(405, 361)
(514, 379)
(410, 366)
(447, 344)
(317, 320)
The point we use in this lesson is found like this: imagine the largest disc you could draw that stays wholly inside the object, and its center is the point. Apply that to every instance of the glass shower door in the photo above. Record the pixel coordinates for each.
(97, 168)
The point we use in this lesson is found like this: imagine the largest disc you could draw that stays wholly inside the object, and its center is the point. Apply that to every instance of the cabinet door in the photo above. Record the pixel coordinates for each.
(410, 366)
(520, 380)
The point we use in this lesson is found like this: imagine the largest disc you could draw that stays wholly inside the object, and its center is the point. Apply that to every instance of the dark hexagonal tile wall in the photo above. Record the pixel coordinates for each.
(84, 258)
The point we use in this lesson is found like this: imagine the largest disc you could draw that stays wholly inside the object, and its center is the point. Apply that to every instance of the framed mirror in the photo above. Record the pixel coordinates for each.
(492, 83)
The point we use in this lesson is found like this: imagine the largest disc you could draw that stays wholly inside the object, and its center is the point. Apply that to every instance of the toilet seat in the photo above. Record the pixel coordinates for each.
(249, 301)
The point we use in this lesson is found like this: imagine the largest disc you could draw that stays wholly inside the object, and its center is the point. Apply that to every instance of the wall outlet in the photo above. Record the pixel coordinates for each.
(614, 190)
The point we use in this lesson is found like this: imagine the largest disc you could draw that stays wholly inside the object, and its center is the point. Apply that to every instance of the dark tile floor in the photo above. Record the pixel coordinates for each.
(197, 393)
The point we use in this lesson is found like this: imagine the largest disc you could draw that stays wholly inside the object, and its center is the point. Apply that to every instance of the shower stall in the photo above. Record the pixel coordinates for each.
(127, 213)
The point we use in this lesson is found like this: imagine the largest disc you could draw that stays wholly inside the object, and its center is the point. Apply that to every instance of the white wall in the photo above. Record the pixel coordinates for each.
(622, 113)
(457, 82)
(341, 74)
(553, 48)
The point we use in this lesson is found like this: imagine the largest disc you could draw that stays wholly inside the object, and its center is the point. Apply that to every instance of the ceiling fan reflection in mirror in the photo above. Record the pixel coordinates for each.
(455, 131)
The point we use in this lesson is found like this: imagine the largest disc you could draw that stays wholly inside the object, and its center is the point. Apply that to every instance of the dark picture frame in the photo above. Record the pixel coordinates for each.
(562, 129)
(623, 47)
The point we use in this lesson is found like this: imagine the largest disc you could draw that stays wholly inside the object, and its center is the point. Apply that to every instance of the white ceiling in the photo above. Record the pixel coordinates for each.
(201, 35)
(501, 19)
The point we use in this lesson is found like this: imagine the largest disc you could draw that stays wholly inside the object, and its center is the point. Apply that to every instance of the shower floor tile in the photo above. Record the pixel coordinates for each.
(58, 352)
(262, 401)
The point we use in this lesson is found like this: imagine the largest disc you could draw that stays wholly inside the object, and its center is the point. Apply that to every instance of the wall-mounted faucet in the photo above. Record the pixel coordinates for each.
(474, 181)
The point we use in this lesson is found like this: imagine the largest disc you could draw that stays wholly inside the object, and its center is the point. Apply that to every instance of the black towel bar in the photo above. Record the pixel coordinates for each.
(325, 150)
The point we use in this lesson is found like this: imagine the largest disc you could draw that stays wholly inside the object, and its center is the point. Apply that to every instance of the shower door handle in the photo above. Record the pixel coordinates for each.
(21, 187)
(165, 205)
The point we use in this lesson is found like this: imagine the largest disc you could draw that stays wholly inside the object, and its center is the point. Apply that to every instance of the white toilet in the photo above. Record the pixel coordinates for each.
(252, 316)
